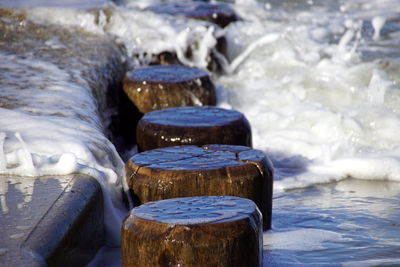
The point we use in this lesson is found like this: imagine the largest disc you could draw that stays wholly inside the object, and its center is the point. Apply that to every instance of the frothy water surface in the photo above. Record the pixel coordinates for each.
(319, 83)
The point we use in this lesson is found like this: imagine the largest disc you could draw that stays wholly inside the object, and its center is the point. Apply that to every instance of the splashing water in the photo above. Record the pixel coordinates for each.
(319, 83)
(377, 22)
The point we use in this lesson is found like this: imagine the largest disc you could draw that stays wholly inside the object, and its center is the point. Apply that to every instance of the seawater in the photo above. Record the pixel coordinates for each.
(319, 83)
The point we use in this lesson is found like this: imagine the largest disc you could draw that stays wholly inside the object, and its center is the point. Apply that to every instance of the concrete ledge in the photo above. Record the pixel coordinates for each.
(64, 82)
(55, 221)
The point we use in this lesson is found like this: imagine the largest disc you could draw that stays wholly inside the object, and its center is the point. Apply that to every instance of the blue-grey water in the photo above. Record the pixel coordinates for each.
(319, 83)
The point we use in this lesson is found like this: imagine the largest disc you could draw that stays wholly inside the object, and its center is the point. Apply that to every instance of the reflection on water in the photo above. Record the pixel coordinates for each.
(24, 186)
(24, 201)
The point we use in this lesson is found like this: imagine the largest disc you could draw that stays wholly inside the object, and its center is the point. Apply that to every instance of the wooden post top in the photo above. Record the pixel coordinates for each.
(193, 231)
(156, 87)
(165, 74)
(198, 210)
(205, 116)
(192, 126)
(194, 158)
(213, 170)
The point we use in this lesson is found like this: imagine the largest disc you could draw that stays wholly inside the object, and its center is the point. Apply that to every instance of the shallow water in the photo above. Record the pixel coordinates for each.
(319, 83)
(352, 222)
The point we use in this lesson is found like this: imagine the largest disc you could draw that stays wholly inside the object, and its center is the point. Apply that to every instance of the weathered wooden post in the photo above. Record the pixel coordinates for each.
(184, 171)
(195, 231)
(156, 87)
(192, 126)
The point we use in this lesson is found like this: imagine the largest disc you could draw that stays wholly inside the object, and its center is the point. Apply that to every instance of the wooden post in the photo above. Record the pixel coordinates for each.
(192, 126)
(156, 87)
(184, 171)
(195, 231)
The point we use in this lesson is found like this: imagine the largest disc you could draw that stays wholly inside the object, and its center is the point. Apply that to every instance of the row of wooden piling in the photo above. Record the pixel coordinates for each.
(197, 184)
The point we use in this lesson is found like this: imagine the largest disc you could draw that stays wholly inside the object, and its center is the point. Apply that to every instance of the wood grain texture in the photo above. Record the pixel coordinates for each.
(160, 241)
(157, 87)
(192, 126)
(184, 171)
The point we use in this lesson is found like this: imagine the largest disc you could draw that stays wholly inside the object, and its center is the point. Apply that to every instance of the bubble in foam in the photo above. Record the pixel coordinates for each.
(378, 86)
(26, 157)
(3, 163)
(301, 239)
(377, 22)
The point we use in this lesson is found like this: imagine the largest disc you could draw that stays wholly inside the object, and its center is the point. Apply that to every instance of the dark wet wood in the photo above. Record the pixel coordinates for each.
(184, 171)
(124, 122)
(157, 87)
(200, 231)
(192, 126)
(218, 15)
(55, 221)
(221, 14)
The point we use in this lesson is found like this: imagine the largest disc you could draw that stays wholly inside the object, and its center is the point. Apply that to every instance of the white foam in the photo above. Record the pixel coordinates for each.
(72, 17)
(370, 263)
(318, 109)
(302, 239)
(377, 23)
(53, 3)
(378, 85)
(350, 227)
(314, 105)
(55, 131)
(3, 163)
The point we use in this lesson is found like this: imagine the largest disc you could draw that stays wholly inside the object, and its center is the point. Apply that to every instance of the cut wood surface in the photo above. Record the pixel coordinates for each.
(184, 171)
(192, 126)
(195, 231)
(155, 87)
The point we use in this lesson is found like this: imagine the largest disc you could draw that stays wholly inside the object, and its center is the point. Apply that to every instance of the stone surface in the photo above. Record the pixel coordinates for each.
(194, 231)
(157, 87)
(56, 221)
(221, 14)
(192, 126)
(184, 171)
